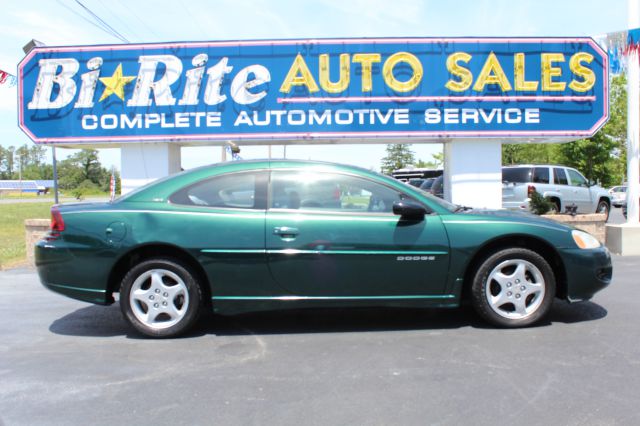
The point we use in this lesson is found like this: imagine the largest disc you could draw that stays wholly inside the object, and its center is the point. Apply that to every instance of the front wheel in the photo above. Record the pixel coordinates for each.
(160, 298)
(513, 288)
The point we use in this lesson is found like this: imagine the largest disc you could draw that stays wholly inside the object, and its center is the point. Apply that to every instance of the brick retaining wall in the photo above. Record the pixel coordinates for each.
(592, 223)
(35, 229)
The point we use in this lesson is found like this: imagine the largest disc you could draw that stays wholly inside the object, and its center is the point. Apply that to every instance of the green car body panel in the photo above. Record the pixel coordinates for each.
(337, 259)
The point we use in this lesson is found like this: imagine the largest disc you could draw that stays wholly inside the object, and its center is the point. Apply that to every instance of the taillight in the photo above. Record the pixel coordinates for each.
(530, 190)
(57, 224)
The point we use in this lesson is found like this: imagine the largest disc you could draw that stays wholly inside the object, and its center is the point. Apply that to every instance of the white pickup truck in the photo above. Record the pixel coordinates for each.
(564, 186)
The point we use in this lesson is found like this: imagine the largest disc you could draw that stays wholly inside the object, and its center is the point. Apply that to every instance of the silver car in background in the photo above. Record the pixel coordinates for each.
(563, 186)
(618, 195)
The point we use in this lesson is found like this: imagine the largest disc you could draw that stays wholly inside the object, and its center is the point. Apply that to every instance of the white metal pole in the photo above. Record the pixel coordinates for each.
(633, 121)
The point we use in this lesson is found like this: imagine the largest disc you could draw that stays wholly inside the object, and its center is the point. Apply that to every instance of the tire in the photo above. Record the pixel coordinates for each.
(513, 288)
(603, 207)
(555, 207)
(161, 298)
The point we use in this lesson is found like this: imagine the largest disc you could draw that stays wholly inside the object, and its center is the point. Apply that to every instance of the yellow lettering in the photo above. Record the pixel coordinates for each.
(299, 75)
(586, 74)
(518, 71)
(492, 73)
(390, 79)
(366, 60)
(345, 76)
(465, 76)
(549, 71)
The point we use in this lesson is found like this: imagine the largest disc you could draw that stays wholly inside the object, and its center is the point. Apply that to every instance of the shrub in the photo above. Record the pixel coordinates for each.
(539, 204)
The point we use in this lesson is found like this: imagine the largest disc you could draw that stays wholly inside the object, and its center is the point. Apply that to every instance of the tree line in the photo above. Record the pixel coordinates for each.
(81, 172)
(601, 158)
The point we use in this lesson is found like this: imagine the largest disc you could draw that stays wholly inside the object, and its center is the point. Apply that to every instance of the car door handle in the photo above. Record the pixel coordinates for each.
(286, 232)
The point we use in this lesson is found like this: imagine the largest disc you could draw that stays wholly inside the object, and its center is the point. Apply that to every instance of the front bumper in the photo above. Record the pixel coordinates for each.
(587, 271)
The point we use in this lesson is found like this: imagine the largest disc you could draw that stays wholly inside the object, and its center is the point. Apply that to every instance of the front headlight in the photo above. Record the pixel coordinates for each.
(585, 240)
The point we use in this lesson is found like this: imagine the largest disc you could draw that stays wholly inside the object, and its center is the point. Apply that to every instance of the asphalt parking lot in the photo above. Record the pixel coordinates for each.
(67, 362)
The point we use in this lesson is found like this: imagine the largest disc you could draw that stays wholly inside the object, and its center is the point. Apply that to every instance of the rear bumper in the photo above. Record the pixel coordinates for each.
(588, 271)
(516, 205)
(62, 271)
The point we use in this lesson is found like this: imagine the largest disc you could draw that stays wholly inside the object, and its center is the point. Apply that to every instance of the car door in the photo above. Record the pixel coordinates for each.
(335, 235)
(561, 185)
(581, 193)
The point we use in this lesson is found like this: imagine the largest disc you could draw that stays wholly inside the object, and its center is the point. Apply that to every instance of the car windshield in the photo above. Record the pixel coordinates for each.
(516, 174)
(442, 203)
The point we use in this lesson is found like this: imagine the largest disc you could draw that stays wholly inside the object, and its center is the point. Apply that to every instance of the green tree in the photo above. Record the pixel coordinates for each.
(398, 156)
(7, 164)
(536, 153)
(436, 162)
(602, 157)
(80, 167)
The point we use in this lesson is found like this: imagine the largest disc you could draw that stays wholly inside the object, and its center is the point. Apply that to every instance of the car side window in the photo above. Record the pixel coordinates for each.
(236, 190)
(541, 175)
(330, 192)
(559, 176)
(577, 179)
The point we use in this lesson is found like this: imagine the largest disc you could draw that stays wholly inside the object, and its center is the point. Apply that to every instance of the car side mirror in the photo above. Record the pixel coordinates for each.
(409, 209)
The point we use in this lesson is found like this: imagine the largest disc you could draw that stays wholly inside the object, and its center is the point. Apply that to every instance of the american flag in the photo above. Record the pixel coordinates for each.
(7, 79)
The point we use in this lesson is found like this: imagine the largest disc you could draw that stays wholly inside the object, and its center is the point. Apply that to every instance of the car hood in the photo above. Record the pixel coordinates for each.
(515, 216)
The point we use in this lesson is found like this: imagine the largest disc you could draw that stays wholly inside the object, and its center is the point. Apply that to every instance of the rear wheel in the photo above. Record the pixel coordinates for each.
(513, 288)
(555, 206)
(160, 298)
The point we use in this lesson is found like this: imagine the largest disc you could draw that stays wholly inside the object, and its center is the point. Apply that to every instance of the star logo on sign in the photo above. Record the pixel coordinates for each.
(114, 85)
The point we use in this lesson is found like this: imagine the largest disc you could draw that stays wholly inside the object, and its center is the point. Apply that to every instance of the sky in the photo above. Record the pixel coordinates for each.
(66, 22)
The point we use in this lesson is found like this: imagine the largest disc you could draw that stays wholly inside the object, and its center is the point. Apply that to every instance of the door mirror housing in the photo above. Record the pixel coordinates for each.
(409, 209)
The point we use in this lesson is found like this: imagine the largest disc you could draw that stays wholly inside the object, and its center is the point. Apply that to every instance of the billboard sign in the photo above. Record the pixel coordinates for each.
(307, 90)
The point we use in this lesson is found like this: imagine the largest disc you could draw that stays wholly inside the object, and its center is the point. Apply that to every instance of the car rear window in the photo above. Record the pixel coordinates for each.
(541, 175)
(236, 190)
(517, 174)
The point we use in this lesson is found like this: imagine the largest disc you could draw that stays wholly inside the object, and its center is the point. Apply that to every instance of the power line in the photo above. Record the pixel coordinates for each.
(124, 24)
(102, 24)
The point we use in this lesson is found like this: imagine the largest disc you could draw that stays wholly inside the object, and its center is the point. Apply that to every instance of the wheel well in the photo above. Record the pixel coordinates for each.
(557, 201)
(605, 199)
(154, 251)
(541, 247)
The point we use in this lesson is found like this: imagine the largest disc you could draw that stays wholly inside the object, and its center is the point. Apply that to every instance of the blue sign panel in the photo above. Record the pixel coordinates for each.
(548, 88)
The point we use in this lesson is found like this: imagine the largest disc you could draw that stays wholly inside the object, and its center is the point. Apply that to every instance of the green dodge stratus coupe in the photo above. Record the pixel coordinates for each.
(255, 235)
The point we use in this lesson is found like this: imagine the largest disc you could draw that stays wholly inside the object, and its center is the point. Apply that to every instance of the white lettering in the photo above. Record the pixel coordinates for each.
(241, 84)
(162, 87)
(85, 122)
(47, 78)
(89, 83)
(216, 74)
(194, 80)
